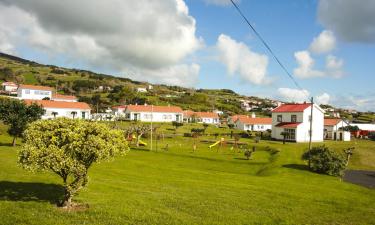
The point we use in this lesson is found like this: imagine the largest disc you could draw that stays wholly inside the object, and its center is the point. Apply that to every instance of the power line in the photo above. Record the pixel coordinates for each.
(267, 46)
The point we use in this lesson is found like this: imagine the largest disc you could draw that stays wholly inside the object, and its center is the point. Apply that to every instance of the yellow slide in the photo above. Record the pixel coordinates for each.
(214, 144)
(142, 143)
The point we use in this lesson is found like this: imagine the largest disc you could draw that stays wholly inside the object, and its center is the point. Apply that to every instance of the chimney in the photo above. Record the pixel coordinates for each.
(253, 115)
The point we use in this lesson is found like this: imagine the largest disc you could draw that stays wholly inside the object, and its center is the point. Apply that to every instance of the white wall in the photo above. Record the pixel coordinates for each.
(252, 127)
(10, 88)
(302, 130)
(66, 113)
(208, 120)
(33, 94)
(155, 116)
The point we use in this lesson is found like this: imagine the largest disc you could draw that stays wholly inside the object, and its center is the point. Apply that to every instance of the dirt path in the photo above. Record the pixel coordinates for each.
(360, 177)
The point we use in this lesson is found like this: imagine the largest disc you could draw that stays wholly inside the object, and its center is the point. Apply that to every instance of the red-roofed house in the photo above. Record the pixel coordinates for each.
(54, 109)
(293, 120)
(253, 123)
(333, 129)
(9, 87)
(148, 113)
(34, 92)
(201, 117)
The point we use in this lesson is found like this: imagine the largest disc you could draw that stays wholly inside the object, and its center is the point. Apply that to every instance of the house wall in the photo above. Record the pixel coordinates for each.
(252, 127)
(66, 113)
(155, 116)
(302, 130)
(10, 88)
(209, 120)
(33, 94)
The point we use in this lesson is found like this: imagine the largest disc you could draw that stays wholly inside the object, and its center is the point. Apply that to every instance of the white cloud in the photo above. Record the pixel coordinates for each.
(238, 58)
(324, 43)
(220, 2)
(293, 95)
(183, 74)
(358, 102)
(323, 99)
(305, 67)
(352, 21)
(334, 66)
(117, 35)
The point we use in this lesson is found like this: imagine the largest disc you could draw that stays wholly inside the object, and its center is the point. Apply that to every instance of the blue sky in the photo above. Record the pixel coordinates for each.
(177, 42)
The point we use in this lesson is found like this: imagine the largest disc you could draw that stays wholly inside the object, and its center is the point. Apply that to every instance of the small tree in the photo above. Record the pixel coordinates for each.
(74, 113)
(205, 125)
(284, 136)
(138, 130)
(324, 160)
(177, 124)
(54, 114)
(247, 154)
(16, 114)
(69, 148)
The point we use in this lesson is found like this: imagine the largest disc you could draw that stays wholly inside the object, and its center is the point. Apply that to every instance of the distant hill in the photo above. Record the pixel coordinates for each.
(102, 91)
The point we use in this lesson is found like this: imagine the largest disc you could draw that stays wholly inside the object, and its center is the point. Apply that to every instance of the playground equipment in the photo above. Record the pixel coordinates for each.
(133, 137)
(221, 141)
(142, 143)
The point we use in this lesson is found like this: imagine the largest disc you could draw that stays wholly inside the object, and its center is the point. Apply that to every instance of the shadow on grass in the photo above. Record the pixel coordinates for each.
(6, 144)
(22, 191)
(297, 166)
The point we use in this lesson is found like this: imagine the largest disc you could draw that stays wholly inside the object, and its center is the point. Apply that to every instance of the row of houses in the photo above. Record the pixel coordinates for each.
(290, 122)
(55, 105)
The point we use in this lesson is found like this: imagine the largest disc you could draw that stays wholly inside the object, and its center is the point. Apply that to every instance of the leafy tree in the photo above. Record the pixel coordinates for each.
(205, 125)
(7, 74)
(230, 125)
(177, 124)
(16, 114)
(138, 130)
(324, 160)
(74, 113)
(351, 128)
(68, 148)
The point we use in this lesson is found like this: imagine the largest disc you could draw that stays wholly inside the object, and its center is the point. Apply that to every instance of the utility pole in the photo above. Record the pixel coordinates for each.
(152, 115)
(310, 132)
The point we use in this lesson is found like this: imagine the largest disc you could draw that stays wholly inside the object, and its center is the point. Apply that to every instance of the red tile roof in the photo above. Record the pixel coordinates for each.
(34, 87)
(155, 108)
(292, 107)
(119, 107)
(68, 97)
(58, 104)
(235, 117)
(288, 125)
(331, 122)
(9, 84)
(249, 120)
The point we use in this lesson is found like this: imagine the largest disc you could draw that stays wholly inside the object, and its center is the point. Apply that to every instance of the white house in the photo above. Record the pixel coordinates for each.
(64, 98)
(9, 87)
(74, 110)
(333, 130)
(148, 113)
(119, 111)
(293, 121)
(253, 123)
(141, 90)
(34, 92)
(201, 117)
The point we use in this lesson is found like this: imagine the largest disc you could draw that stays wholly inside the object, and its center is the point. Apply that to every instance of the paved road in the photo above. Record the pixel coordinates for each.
(360, 177)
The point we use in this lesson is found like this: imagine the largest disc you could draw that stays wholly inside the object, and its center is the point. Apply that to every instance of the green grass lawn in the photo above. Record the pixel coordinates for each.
(179, 186)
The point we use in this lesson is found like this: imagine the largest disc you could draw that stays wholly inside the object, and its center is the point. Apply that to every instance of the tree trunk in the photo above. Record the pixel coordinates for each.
(14, 141)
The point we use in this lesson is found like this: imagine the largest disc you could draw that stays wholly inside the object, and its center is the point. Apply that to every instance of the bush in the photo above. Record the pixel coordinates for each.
(324, 160)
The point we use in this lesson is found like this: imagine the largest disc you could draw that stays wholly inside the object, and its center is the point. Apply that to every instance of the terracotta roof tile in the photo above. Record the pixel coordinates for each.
(34, 87)
(257, 120)
(292, 107)
(155, 108)
(58, 104)
(288, 125)
(331, 122)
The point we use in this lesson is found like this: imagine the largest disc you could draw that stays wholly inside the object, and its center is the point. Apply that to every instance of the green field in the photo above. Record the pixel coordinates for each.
(179, 186)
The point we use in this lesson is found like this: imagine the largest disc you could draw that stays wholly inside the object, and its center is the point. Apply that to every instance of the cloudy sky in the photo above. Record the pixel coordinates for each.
(327, 45)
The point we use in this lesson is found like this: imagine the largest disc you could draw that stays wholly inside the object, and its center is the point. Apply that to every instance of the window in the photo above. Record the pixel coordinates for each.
(293, 118)
(83, 115)
(290, 134)
(279, 118)
(27, 91)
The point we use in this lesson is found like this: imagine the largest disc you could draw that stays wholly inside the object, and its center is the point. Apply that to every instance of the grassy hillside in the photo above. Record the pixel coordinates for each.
(179, 186)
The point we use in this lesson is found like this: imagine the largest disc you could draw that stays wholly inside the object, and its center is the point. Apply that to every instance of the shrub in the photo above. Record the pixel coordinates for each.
(324, 160)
